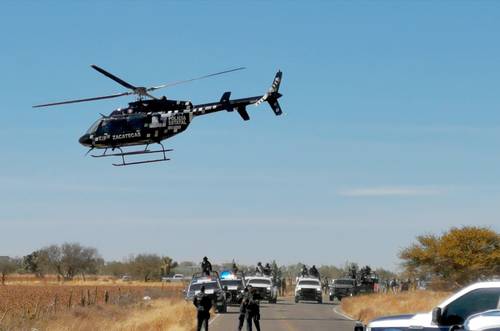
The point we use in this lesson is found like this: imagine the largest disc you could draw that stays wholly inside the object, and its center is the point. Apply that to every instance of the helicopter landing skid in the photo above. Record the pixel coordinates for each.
(122, 154)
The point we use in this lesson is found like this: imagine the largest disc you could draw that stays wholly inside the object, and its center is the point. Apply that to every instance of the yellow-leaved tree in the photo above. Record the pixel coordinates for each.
(460, 255)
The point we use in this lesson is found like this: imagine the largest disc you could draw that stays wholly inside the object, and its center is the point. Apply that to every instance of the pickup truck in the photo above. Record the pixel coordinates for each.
(308, 288)
(451, 314)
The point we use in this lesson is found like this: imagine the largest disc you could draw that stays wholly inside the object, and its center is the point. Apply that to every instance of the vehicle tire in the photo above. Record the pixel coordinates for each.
(296, 300)
(332, 298)
(340, 298)
(320, 301)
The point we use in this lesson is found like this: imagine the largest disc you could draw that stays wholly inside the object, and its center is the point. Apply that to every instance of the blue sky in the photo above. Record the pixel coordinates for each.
(392, 127)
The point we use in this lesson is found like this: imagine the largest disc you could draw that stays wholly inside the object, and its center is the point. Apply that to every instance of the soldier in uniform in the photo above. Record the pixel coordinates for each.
(259, 269)
(304, 272)
(234, 268)
(203, 304)
(314, 272)
(252, 312)
(243, 309)
(206, 266)
(267, 270)
(325, 285)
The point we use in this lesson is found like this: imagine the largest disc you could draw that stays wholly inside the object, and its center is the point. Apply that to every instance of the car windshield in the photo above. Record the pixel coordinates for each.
(309, 282)
(259, 281)
(208, 286)
(94, 126)
(231, 282)
(343, 281)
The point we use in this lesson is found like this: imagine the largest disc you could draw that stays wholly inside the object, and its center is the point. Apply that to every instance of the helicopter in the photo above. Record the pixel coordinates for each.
(150, 120)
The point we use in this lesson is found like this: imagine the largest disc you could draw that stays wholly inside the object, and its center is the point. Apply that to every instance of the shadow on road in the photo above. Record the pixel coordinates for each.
(305, 319)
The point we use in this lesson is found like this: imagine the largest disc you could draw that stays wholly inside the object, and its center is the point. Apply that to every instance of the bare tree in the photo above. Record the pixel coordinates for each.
(67, 260)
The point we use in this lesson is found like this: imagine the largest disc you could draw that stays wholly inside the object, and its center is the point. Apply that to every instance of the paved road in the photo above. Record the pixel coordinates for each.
(288, 316)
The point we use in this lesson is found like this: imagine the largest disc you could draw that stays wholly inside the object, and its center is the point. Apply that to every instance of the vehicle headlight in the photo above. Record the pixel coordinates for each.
(269, 288)
(318, 289)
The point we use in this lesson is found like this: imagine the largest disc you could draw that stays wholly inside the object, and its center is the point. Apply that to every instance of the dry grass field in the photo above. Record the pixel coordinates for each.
(367, 307)
(98, 304)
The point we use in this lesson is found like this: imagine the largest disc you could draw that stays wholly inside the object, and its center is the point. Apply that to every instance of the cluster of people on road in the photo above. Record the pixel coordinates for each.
(249, 310)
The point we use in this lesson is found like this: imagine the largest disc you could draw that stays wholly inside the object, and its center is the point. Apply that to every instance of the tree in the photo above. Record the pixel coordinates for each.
(36, 263)
(7, 266)
(167, 265)
(146, 266)
(66, 260)
(460, 255)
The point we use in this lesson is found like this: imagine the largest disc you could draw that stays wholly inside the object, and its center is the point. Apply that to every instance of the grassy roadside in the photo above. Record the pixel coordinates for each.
(161, 314)
(28, 303)
(367, 307)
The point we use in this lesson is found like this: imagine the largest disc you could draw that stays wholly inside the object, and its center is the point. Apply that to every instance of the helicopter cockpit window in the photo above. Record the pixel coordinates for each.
(94, 126)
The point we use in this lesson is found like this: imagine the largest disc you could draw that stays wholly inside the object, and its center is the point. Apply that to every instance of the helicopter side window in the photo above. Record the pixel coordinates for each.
(135, 123)
(115, 126)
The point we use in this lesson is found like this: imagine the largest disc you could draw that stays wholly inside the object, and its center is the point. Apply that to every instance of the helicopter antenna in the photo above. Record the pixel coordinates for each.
(140, 91)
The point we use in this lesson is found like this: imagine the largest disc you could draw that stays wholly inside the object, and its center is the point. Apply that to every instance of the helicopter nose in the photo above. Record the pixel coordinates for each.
(85, 140)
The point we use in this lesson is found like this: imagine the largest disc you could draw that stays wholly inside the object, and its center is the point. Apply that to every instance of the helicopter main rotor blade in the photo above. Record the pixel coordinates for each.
(113, 77)
(83, 100)
(192, 79)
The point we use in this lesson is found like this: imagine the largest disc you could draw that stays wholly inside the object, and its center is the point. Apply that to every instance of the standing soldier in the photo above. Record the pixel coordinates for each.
(243, 309)
(325, 285)
(206, 266)
(234, 267)
(252, 312)
(203, 304)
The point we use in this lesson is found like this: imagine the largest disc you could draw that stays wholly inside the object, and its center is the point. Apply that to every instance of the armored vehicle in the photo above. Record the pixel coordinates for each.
(263, 287)
(341, 288)
(213, 288)
(233, 285)
(308, 289)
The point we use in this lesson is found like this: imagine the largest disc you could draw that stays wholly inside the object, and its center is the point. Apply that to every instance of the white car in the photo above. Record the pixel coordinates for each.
(308, 289)
(486, 321)
(264, 287)
(175, 278)
(452, 313)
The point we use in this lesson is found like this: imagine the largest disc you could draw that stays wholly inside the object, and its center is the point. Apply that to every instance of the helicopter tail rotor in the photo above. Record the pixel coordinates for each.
(273, 95)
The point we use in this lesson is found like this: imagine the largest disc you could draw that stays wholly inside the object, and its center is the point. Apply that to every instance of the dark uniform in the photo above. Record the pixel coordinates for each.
(243, 309)
(314, 272)
(259, 269)
(203, 305)
(267, 270)
(252, 313)
(206, 266)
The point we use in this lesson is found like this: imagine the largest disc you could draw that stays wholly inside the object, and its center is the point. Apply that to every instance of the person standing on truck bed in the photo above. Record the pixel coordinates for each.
(206, 266)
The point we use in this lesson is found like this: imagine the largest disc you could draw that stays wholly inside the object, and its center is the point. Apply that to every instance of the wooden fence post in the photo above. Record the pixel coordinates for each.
(55, 304)
(88, 297)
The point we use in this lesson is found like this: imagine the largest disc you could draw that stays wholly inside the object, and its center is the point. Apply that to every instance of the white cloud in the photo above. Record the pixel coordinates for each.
(383, 191)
